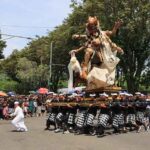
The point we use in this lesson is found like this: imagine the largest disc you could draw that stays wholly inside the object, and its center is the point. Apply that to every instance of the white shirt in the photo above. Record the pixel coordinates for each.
(18, 112)
(35, 104)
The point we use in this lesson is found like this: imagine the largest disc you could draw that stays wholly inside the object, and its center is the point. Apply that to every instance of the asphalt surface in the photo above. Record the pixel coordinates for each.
(38, 139)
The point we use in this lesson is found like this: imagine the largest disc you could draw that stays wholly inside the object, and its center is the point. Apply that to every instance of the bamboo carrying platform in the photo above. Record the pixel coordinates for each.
(90, 101)
(98, 91)
(83, 103)
(105, 89)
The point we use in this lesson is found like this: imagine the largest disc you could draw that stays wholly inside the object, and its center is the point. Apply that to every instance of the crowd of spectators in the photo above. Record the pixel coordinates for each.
(32, 105)
(35, 105)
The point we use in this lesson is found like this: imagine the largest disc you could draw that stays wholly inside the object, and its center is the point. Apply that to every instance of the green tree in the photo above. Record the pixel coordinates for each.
(26, 71)
(2, 46)
(30, 75)
(9, 65)
(6, 83)
(41, 76)
(134, 36)
(145, 79)
(38, 50)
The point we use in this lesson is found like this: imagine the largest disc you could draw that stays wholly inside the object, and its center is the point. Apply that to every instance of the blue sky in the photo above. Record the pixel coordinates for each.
(29, 15)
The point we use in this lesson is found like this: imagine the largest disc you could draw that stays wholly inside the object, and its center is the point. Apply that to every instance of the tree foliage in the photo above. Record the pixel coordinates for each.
(6, 83)
(2, 46)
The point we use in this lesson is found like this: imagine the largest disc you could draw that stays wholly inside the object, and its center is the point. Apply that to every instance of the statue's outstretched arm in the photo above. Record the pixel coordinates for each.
(77, 50)
(115, 28)
(80, 49)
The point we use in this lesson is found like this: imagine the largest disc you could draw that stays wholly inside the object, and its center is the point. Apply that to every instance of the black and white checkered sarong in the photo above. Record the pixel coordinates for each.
(103, 119)
(89, 119)
(81, 119)
(59, 117)
(118, 120)
(140, 117)
(71, 119)
(52, 117)
(130, 119)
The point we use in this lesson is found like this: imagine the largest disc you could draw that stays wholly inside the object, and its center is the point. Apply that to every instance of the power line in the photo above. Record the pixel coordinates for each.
(8, 38)
(19, 26)
(18, 36)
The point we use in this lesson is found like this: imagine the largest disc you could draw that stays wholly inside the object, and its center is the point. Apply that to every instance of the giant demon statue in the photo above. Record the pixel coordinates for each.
(100, 60)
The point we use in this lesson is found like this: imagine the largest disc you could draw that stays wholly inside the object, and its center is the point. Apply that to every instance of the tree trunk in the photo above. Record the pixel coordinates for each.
(132, 84)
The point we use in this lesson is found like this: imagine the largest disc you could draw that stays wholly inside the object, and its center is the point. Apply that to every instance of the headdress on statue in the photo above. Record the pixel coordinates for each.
(92, 21)
(92, 26)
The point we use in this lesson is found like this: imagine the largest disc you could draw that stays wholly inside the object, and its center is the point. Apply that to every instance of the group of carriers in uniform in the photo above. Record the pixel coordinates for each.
(94, 116)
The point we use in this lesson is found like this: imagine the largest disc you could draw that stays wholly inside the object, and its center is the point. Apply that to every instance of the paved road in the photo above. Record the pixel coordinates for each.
(38, 139)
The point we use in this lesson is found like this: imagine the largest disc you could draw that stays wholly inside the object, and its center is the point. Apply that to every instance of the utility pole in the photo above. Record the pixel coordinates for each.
(50, 63)
(50, 60)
